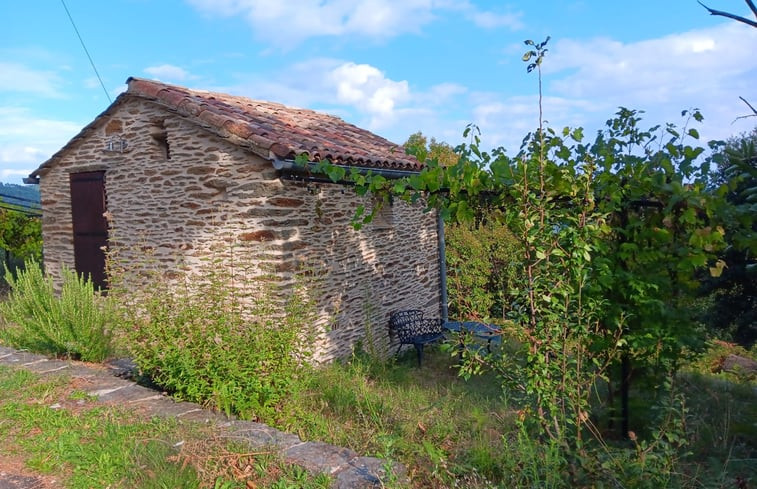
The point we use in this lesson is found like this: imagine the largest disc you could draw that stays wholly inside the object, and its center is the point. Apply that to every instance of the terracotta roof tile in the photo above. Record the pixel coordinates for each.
(172, 97)
(285, 131)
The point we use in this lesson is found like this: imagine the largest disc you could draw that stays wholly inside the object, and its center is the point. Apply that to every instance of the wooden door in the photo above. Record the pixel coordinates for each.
(90, 226)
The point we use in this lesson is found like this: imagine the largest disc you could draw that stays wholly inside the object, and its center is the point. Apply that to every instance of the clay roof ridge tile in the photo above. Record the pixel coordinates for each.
(213, 118)
(238, 128)
(281, 150)
(260, 140)
(188, 107)
(145, 87)
(172, 97)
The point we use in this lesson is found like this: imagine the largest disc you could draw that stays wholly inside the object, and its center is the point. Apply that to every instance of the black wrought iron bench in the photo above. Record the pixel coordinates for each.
(411, 328)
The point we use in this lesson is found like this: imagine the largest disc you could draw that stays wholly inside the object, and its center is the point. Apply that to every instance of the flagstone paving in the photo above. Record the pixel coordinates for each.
(109, 383)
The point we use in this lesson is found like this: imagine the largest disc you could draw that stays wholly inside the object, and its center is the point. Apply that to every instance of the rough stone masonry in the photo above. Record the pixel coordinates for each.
(183, 191)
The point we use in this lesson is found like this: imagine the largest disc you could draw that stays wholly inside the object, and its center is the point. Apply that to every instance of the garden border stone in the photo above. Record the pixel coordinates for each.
(112, 382)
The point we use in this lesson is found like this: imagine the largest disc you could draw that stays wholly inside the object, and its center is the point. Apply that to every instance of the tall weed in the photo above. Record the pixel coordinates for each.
(206, 338)
(75, 323)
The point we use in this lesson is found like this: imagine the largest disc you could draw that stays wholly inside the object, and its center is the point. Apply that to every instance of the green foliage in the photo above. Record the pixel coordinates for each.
(549, 204)
(85, 444)
(418, 145)
(483, 266)
(720, 423)
(449, 431)
(20, 235)
(611, 233)
(732, 293)
(204, 340)
(662, 236)
(534, 463)
(537, 53)
(712, 361)
(20, 227)
(77, 323)
(655, 460)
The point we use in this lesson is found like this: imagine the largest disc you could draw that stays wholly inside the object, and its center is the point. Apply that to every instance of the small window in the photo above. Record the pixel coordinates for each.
(160, 135)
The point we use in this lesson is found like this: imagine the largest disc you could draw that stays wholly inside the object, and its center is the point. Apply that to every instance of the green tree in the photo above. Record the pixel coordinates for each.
(611, 236)
(732, 292)
(20, 236)
(482, 256)
(418, 145)
(662, 234)
(483, 265)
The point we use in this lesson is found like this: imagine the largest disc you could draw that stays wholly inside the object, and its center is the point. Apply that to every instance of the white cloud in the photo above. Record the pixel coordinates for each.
(491, 20)
(359, 93)
(12, 174)
(167, 72)
(27, 141)
(366, 88)
(586, 81)
(18, 123)
(505, 122)
(15, 77)
(287, 23)
(705, 68)
(486, 19)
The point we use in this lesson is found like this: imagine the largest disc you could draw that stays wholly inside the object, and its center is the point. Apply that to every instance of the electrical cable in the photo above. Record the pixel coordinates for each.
(21, 199)
(86, 51)
(22, 210)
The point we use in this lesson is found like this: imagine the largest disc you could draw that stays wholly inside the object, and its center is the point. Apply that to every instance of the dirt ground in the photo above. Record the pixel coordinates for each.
(15, 475)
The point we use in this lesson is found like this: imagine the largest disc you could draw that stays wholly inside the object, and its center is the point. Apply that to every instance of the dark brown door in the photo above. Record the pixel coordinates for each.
(90, 226)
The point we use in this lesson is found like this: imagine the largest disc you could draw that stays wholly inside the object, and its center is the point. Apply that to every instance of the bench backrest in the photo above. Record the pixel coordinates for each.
(401, 323)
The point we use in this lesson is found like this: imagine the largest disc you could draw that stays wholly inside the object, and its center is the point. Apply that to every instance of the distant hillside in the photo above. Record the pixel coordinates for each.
(24, 196)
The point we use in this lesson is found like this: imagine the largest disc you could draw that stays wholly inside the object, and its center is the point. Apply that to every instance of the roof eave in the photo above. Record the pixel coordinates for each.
(291, 166)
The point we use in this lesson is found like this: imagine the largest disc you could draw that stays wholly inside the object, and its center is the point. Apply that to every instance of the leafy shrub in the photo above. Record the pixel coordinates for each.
(713, 360)
(20, 236)
(207, 341)
(75, 323)
(484, 263)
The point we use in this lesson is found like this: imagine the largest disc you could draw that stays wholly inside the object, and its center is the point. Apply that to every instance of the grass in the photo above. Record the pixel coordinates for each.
(447, 431)
(443, 428)
(55, 429)
(722, 419)
(451, 432)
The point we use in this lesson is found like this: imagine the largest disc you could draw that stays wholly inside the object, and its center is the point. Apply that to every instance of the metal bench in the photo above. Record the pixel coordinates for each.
(411, 328)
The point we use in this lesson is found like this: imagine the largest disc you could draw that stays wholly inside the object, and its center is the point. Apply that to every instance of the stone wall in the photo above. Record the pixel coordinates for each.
(181, 196)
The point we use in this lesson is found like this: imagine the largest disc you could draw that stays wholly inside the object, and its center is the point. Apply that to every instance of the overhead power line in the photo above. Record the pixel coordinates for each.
(20, 199)
(86, 51)
(29, 211)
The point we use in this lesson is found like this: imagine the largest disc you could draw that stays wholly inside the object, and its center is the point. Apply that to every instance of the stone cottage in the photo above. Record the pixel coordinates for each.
(185, 173)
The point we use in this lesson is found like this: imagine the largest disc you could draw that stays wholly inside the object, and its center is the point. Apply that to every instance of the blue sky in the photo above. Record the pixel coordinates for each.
(391, 66)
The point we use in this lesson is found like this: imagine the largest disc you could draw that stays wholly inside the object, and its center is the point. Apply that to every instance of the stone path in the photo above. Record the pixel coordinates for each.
(347, 468)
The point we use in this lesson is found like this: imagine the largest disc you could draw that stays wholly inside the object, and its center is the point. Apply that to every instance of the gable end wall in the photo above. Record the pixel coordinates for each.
(214, 199)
